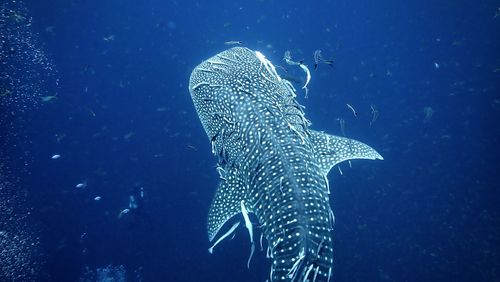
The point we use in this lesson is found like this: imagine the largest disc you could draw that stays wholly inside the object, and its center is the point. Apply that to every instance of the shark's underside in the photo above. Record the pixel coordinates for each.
(270, 162)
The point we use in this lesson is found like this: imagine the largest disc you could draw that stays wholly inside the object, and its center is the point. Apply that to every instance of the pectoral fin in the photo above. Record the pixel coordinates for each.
(226, 203)
(332, 150)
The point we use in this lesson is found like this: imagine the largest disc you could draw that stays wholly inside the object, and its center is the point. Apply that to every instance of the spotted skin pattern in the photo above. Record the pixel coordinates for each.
(269, 161)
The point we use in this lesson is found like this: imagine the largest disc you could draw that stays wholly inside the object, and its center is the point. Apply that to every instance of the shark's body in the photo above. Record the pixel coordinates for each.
(271, 163)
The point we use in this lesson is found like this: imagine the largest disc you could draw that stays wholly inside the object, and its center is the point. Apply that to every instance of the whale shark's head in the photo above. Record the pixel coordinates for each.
(225, 84)
(217, 84)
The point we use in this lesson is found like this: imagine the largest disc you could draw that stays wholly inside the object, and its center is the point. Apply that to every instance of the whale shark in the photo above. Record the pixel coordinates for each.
(272, 166)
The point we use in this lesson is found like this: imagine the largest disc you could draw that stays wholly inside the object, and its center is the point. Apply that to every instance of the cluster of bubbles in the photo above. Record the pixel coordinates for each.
(26, 73)
(109, 273)
(20, 258)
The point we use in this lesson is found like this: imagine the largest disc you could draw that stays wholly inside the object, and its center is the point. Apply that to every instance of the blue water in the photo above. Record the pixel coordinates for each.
(124, 124)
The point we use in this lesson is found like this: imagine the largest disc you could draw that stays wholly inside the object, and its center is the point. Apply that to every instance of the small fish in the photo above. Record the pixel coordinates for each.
(353, 110)
(288, 59)
(109, 38)
(318, 59)
(132, 203)
(55, 157)
(6, 92)
(317, 55)
(342, 125)
(428, 113)
(17, 17)
(97, 198)
(308, 76)
(125, 211)
(128, 135)
(375, 114)
(81, 185)
(233, 42)
(192, 147)
(48, 98)
(92, 113)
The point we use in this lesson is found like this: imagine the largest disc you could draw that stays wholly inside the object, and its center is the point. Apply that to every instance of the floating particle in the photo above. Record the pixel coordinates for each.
(55, 157)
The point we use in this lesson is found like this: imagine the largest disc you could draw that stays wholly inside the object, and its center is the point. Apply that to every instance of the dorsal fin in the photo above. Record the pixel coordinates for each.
(332, 150)
(227, 201)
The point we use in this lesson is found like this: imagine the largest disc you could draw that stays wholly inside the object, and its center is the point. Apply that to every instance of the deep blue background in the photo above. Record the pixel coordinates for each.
(428, 212)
